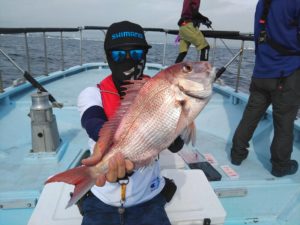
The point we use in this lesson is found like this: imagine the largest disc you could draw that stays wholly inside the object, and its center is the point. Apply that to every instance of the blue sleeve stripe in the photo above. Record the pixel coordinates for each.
(92, 120)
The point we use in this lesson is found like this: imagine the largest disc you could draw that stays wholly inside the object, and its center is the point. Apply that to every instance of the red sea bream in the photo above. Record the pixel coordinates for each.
(152, 115)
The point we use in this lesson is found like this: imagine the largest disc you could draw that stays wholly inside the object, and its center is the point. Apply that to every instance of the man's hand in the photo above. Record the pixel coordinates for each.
(204, 20)
(95, 157)
(118, 166)
(207, 23)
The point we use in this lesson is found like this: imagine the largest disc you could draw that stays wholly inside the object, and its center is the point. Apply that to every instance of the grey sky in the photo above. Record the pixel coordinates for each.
(225, 14)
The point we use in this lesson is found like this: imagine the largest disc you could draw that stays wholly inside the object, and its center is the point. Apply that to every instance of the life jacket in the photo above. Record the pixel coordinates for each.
(110, 96)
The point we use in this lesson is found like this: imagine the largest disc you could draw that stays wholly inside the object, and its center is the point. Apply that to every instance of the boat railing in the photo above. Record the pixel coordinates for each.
(210, 34)
(1, 83)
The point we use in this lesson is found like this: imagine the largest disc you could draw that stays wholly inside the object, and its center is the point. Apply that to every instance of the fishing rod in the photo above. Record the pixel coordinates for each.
(223, 68)
(33, 81)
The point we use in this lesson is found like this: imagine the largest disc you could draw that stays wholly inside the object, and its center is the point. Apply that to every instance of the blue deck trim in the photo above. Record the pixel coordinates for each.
(19, 90)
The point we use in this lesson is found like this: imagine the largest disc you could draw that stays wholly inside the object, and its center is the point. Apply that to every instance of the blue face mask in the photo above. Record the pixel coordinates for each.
(121, 55)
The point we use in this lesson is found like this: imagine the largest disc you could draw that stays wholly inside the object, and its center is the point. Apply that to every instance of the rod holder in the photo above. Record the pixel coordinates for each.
(44, 132)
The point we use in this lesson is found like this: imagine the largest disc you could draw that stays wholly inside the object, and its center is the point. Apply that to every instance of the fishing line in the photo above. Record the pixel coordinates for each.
(224, 43)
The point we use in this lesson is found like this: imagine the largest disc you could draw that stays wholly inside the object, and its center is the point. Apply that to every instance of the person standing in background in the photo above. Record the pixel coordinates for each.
(189, 32)
(276, 81)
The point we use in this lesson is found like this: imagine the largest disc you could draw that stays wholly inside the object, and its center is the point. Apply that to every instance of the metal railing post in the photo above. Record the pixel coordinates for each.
(104, 53)
(27, 53)
(165, 47)
(214, 51)
(62, 51)
(239, 67)
(45, 53)
(80, 30)
(1, 83)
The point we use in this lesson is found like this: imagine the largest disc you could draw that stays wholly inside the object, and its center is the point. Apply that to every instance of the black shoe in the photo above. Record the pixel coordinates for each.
(237, 160)
(289, 170)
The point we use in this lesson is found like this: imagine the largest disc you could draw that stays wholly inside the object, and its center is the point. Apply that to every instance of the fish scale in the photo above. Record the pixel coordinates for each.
(146, 114)
(150, 121)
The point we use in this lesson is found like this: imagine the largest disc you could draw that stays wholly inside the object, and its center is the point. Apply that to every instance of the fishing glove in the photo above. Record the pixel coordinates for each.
(203, 19)
(177, 145)
(207, 23)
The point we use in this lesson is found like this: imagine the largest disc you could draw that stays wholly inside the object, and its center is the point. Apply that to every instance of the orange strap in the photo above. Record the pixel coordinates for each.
(123, 184)
(123, 192)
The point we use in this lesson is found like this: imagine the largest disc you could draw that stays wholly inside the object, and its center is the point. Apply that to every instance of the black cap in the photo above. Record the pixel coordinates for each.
(123, 34)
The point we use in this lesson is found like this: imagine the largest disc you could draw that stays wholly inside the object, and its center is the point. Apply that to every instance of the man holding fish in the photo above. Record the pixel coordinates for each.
(136, 122)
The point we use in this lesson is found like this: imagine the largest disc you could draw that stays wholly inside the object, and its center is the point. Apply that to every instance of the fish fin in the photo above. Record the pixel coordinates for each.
(80, 176)
(186, 129)
(189, 155)
(109, 129)
(189, 134)
(110, 132)
(106, 134)
(132, 88)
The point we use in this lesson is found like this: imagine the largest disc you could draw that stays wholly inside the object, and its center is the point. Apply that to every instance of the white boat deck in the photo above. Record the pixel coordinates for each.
(254, 197)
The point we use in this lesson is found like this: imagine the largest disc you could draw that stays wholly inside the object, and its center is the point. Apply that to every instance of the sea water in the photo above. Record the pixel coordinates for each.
(92, 51)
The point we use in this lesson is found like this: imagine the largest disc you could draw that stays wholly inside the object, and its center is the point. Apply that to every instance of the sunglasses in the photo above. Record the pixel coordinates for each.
(120, 55)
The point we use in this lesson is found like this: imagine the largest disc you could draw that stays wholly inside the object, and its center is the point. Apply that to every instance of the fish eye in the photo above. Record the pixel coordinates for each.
(187, 68)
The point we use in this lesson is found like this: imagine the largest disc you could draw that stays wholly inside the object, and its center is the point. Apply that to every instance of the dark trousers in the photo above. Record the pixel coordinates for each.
(95, 212)
(284, 95)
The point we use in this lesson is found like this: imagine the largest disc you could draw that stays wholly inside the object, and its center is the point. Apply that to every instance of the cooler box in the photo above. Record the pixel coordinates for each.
(193, 203)
(169, 160)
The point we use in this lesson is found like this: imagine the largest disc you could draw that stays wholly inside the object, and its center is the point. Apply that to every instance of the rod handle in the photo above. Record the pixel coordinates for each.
(220, 72)
(37, 85)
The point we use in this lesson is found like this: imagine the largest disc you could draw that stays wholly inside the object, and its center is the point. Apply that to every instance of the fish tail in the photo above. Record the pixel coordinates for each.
(80, 176)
